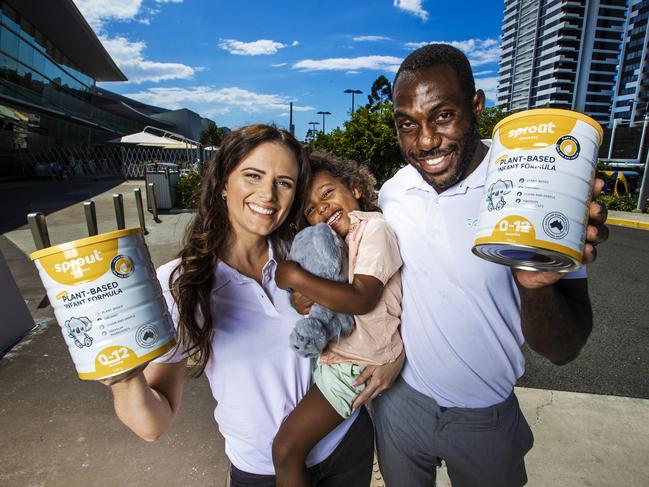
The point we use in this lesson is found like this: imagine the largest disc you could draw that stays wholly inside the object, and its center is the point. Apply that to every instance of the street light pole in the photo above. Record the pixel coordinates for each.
(323, 119)
(313, 130)
(353, 92)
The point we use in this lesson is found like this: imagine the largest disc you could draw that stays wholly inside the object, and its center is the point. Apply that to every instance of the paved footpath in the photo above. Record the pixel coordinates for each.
(60, 431)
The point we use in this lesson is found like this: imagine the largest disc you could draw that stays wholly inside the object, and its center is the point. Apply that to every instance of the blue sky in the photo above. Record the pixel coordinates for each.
(243, 62)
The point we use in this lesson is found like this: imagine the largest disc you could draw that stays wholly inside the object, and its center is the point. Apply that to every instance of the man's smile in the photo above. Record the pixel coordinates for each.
(435, 162)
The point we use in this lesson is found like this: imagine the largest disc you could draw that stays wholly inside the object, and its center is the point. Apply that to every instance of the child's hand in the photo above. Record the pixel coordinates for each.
(301, 303)
(285, 274)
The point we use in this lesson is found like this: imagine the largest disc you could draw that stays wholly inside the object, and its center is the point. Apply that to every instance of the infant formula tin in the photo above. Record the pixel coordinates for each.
(539, 184)
(108, 302)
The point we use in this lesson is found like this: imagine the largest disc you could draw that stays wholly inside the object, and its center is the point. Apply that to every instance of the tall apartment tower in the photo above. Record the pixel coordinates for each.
(631, 101)
(561, 54)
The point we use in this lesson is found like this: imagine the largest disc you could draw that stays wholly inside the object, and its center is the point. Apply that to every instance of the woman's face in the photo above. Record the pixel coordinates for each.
(259, 191)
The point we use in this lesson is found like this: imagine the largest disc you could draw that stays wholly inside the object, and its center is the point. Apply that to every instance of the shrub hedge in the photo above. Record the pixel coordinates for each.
(187, 190)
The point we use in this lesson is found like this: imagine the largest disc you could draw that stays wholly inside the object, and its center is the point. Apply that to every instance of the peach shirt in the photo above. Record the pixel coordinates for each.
(373, 251)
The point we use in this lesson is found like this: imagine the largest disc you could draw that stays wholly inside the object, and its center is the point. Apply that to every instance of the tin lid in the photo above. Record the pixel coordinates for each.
(83, 241)
(556, 112)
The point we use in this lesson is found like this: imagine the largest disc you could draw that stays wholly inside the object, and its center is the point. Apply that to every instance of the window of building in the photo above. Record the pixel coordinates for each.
(9, 43)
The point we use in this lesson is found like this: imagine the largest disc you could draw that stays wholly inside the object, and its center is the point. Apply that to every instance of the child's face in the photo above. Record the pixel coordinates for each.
(330, 202)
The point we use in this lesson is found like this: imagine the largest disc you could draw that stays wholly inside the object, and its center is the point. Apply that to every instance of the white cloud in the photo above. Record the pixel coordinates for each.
(130, 58)
(210, 101)
(352, 72)
(376, 63)
(97, 11)
(489, 86)
(262, 47)
(129, 55)
(278, 65)
(370, 38)
(479, 51)
(413, 7)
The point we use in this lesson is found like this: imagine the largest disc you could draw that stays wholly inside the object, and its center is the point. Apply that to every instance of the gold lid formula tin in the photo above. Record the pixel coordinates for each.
(108, 302)
(539, 183)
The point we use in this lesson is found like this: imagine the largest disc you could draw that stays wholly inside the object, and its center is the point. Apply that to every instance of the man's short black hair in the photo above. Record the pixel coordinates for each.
(436, 55)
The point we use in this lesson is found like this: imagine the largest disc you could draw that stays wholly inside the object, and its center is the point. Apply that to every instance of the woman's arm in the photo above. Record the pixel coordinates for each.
(357, 298)
(148, 401)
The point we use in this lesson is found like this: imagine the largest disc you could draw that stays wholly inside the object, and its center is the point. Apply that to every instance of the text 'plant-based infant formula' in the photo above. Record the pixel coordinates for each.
(535, 209)
(107, 301)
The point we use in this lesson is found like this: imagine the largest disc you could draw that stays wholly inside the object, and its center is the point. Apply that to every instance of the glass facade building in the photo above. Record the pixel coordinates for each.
(50, 62)
(38, 80)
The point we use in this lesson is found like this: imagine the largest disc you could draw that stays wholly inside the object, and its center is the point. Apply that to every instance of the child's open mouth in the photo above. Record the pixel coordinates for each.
(333, 219)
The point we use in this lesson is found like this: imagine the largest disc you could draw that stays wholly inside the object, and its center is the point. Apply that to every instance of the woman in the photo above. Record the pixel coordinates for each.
(234, 322)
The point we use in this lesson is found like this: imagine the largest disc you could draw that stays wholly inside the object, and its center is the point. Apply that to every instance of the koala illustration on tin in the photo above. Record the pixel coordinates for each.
(77, 328)
(498, 189)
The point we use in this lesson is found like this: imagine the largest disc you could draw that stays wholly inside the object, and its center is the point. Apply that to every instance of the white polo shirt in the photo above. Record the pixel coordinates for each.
(256, 379)
(460, 319)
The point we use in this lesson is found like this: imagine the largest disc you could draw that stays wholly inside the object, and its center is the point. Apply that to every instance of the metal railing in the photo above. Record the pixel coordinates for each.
(117, 161)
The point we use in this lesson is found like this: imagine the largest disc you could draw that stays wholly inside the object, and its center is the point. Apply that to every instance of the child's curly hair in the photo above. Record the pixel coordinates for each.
(350, 173)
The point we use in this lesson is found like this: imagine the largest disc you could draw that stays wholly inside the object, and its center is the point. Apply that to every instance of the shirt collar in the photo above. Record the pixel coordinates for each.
(224, 274)
(355, 219)
(358, 216)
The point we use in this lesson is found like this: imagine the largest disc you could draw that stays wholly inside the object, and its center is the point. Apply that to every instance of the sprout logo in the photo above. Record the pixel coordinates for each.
(568, 147)
(122, 266)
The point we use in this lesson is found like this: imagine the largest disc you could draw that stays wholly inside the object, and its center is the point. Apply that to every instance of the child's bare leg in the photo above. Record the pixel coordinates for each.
(310, 421)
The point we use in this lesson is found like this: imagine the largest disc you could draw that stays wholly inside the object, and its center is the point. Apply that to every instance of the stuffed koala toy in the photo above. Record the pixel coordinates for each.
(320, 251)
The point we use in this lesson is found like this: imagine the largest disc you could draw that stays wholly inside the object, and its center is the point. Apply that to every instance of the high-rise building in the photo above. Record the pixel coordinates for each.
(631, 101)
(561, 54)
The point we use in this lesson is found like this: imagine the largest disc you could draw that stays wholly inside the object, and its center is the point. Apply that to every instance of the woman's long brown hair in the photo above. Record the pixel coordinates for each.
(192, 280)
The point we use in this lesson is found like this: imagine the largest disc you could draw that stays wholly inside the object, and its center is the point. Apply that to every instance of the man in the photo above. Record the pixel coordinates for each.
(464, 319)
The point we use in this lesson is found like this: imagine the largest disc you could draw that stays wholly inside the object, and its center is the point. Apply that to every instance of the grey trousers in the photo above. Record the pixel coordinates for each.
(482, 447)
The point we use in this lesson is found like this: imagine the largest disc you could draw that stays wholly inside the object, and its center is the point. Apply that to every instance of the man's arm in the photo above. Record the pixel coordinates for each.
(357, 298)
(557, 319)
(556, 316)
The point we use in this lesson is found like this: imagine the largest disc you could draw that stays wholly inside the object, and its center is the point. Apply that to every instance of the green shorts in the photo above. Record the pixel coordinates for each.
(334, 381)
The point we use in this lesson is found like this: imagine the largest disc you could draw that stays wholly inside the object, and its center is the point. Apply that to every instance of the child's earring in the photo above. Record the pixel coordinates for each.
(223, 196)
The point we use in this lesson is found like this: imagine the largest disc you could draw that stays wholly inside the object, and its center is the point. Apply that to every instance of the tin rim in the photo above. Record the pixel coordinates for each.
(481, 250)
(553, 111)
(83, 242)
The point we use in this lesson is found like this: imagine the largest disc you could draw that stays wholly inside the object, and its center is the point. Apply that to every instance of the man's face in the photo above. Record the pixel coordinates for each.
(437, 125)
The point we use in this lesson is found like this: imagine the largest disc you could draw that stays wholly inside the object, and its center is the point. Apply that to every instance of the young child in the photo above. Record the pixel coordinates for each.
(341, 194)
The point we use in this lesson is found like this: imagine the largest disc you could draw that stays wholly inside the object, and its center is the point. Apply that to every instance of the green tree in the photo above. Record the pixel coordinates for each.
(369, 137)
(381, 91)
(211, 135)
(490, 118)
